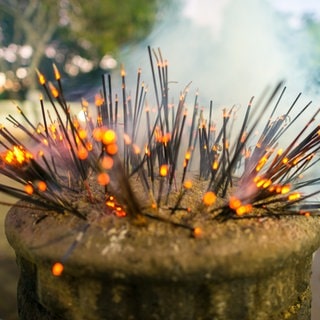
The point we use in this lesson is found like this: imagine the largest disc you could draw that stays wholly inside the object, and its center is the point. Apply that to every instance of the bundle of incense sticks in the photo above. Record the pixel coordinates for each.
(146, 157)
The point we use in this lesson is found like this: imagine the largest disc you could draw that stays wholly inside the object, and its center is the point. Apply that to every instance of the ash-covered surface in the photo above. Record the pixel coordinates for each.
(142, 246)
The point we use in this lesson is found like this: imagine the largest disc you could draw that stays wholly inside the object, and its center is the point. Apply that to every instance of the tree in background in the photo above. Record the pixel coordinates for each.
(80, 35)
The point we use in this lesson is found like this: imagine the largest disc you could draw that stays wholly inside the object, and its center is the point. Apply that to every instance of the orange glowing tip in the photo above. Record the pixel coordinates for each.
(166, 138)
(215, 165)
(89, 146)
(112, 149)
(187, 184)
(244, 209)
(42, 186)
(54, 91)
(163, 170)
(109, 136)
(188, 155)
(107, 162)
(82, 133)
(296, 160)
(42, 79)
(136, 149)
(110, 203)
(17, 155)
(28, 189)
(57, 269)
(197, 232)
(234, 203)
(267, 184)
(209, 198)
(98, 134)
(147, 151)
(56, 72)
(261, 163)
(294, 196)
(225, 113)
(82, 153)
(103, 179)
(123, 72)
(263, 183)
(285, 189)
(98, 100)
(120, 212)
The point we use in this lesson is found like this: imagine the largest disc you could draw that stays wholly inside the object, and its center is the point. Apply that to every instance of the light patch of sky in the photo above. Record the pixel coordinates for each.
(296, 9)
(198, 11)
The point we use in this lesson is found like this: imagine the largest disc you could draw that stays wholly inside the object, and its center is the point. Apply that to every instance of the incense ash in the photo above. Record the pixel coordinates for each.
(141, 159)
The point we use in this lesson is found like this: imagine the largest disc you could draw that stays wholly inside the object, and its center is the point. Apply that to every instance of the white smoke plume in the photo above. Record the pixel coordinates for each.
(230, 49)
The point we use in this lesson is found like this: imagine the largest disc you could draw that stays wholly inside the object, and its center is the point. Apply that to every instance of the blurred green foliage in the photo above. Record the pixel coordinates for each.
(108, 24)
(69, 28)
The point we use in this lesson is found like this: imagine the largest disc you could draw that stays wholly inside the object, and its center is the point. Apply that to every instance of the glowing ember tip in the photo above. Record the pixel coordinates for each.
(41, 77)
(28, 189)
(108, 137)
(187, 184)
(54, 91)
(56, 72)
(163, 170)
(215, 165)
(188, 155)
(98, 134)
(294, 196)
(285, 189)
(209, 198)
(197, 232)
(234, 203)
(82, 153)
(57, 269)
(120, 212)
(42, 186)
(123, 71)
(244, 209)
(103, 179)
(107, 162)
(112, 149)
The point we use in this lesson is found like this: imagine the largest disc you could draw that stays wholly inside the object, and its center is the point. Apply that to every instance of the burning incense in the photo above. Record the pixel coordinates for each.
(151, 171)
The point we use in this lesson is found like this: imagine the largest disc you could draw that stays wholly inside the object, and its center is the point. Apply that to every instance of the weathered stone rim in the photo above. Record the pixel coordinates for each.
(243, 248)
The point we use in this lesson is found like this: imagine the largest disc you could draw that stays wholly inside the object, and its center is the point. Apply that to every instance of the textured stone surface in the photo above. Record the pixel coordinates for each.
(246, 269)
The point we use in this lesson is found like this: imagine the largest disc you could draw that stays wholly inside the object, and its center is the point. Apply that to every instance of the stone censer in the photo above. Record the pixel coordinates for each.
(186, 218)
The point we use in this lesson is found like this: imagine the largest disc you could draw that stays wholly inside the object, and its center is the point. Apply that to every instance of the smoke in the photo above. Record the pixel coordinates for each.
(229, 49)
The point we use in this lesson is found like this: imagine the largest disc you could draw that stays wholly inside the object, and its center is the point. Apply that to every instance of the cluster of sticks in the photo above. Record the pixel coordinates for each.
(163, 151)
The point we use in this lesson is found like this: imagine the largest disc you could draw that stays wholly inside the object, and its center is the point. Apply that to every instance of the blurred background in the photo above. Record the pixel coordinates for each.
(223, 43)
(229, 49)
